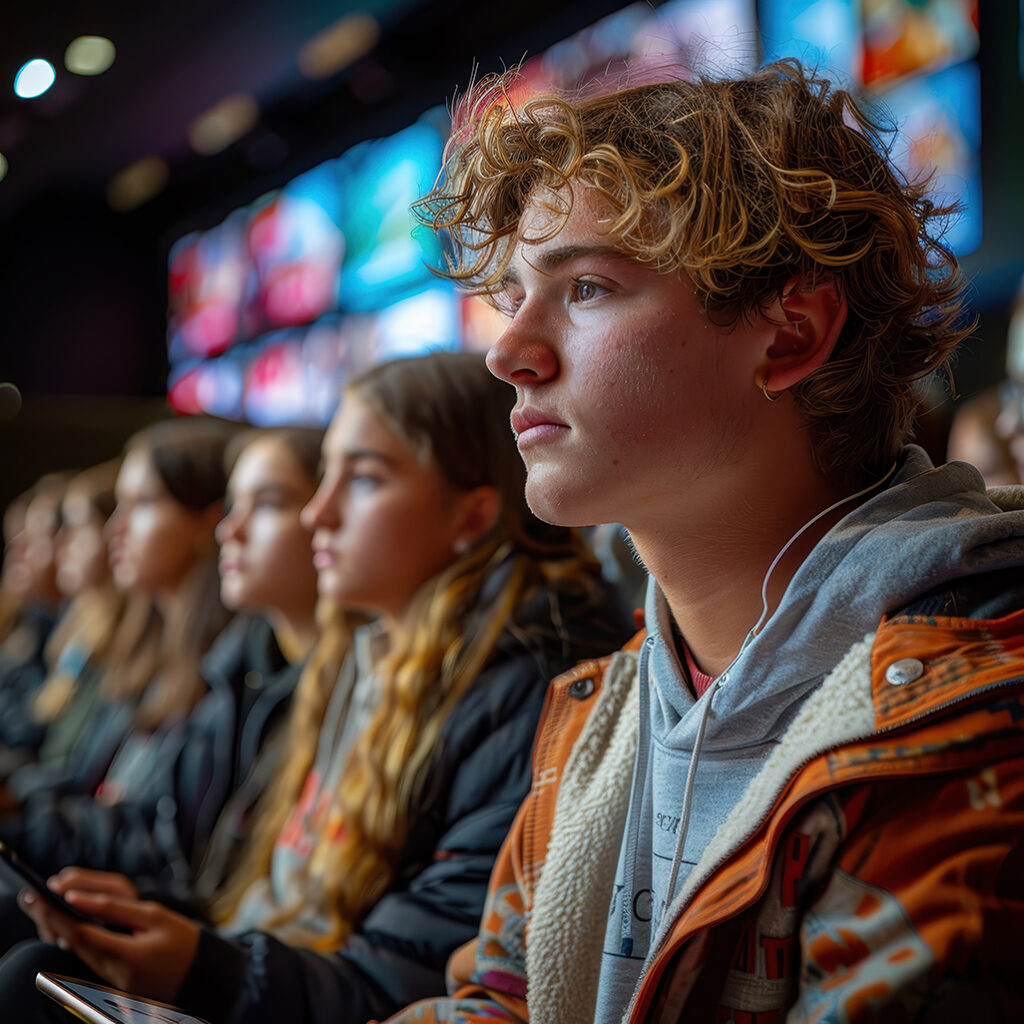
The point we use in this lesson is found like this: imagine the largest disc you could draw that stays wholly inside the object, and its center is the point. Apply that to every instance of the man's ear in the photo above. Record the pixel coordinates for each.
(478, 512)
(806, 332)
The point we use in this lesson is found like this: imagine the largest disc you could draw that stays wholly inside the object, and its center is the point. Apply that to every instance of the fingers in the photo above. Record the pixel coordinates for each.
(94, 944)
(153, 959)
(88, 880)
(36, 909)
(117, 909)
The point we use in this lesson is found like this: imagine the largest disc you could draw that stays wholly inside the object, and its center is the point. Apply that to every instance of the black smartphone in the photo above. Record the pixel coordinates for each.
(38, 885)
(98, 1004)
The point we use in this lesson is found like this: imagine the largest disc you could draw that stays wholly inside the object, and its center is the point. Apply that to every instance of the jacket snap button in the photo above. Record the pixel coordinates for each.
(581, 688)
(253, 680)
(904, 671)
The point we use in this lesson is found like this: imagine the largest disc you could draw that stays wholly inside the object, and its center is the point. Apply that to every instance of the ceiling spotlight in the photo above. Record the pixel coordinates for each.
(89, 55)
(3, 166)
(224, 123)
(339, 45)
(34, 78)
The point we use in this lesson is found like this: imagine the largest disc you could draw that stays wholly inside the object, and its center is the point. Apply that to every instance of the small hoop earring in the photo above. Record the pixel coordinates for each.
(767, 394)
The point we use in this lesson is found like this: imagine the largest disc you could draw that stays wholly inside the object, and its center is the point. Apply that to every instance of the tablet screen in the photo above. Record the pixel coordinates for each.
(124, 1008)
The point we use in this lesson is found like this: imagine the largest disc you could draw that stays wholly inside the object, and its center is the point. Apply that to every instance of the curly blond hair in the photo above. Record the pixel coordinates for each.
(743, 184)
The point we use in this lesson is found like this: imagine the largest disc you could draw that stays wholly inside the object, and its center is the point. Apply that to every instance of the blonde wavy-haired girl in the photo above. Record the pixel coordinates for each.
(410, 742)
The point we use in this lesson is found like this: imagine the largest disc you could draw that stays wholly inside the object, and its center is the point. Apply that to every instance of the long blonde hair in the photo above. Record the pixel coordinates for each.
(92, 617)
(453, 415)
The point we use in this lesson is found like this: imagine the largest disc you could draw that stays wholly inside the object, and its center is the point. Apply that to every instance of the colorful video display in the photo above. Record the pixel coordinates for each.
(272, 310)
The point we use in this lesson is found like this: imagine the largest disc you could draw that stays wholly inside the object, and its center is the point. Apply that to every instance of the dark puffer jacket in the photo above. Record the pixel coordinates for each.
(477, 778)
(22, 672)
(158, 835)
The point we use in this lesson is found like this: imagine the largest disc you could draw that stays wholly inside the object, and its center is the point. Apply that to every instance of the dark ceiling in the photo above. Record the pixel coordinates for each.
(176, 59)
(81, 287)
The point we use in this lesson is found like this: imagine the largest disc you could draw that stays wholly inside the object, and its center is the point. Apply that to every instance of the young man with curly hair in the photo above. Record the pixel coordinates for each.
(801, 795)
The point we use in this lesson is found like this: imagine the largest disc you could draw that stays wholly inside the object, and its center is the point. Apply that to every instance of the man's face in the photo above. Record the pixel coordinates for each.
(631, 405)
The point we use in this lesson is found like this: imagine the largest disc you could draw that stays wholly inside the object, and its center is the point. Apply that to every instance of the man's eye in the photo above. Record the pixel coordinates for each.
(587, 290)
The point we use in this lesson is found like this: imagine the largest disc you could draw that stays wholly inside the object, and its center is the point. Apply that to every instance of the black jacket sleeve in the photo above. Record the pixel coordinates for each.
(478, 777)
(478, 774)
(138, 838)
(157, 836)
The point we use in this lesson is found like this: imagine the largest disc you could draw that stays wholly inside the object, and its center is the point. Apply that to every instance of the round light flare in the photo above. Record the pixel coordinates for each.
(339, 45)
(223, 124)
(4, 165)
(34, 77)
(137, 183)
(89, 55)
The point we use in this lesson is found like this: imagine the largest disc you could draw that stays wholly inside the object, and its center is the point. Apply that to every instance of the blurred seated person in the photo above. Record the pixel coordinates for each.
(169, 490)
(30, 590)
(163, 834)
(1010, 425)
(44, 725)
(973, 438)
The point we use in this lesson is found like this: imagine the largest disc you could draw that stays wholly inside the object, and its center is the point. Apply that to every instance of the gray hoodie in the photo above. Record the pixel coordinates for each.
(696, 757)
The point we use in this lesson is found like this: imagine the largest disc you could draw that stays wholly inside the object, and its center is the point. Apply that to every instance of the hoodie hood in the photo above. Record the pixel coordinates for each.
(928, 527)
(924, 527)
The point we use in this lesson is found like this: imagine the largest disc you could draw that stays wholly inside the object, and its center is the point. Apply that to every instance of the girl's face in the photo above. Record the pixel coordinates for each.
(383, 523)
(266, 563)
(154, 539)
(30, 567)
(81, 547)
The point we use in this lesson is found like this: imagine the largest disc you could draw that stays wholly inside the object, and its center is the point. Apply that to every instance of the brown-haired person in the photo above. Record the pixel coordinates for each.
(170, 491)
(160, 835)
(801, 796)
(973, 438)
(30, 599)
(44, 727)
(410, 735)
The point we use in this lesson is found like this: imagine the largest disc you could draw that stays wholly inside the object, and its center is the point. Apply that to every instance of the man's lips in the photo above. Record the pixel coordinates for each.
(532, 426)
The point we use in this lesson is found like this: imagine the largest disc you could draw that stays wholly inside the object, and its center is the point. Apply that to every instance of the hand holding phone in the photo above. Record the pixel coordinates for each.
(38, 885)
(153, 958)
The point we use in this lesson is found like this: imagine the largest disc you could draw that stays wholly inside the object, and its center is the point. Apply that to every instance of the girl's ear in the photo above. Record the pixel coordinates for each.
(812, 318)
(477, 512)
(209, 517)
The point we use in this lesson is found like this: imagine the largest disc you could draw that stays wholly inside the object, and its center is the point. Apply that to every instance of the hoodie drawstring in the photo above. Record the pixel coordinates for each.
(633, 821)
(691, 778)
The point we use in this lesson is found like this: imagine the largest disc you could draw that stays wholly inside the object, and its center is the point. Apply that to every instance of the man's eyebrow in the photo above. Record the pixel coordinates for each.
(552, 259)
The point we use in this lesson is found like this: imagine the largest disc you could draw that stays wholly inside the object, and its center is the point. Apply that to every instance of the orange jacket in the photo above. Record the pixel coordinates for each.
(873, 871)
